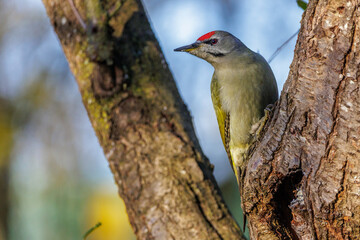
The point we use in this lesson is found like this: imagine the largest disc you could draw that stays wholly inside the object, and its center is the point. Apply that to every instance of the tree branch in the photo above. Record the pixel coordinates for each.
(141, 122)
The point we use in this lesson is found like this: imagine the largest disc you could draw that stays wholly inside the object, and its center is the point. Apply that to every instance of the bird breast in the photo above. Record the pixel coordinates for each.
(240, 96)
(239, 88)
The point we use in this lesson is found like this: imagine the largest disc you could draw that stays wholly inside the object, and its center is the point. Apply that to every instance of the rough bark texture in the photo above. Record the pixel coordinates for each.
(303, 180)
(141, 122)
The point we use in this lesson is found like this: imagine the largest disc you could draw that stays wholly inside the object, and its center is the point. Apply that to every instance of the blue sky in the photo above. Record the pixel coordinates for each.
(262, 25)
(42, 152)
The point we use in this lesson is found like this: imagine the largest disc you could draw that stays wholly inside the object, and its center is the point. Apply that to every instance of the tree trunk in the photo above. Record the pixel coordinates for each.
(140, 120)
(302, 177)
(302, 181)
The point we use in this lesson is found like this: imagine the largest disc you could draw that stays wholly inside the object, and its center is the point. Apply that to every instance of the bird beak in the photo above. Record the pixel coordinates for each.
(187, 48)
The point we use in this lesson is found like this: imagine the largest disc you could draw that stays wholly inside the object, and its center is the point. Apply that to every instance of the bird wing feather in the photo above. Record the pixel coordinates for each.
(222, 116)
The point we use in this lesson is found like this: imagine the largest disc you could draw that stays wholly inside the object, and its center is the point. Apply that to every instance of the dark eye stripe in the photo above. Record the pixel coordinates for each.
(211, 41)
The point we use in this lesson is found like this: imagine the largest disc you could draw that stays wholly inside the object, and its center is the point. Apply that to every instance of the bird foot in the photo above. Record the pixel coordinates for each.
(257, 128)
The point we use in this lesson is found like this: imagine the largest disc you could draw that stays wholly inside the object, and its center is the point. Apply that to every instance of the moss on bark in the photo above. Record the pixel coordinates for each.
(141, 122)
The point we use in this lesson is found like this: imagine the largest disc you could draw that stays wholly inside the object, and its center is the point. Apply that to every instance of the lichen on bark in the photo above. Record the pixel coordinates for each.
(302, 176)
(301, 181)
(141, 122)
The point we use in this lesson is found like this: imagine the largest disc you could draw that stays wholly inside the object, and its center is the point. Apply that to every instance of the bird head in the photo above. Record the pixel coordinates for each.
(213, 46)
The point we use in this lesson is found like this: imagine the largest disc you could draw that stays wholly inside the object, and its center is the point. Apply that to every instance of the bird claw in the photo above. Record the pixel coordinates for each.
(269, 108)
(257, 128)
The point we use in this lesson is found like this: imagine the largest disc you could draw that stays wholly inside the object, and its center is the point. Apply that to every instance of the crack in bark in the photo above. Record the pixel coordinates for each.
(342, 188)
(172, 128)
(309, 202)
(208, 221)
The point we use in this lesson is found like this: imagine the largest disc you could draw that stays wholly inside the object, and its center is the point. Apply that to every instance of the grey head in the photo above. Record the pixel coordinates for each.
(214, 46)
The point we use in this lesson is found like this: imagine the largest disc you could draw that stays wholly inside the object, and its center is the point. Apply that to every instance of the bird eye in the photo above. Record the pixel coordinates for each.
(213, 41)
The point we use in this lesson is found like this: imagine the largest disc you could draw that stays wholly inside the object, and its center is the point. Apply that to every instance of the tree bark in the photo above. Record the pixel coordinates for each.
(140, 120)
(302, 181)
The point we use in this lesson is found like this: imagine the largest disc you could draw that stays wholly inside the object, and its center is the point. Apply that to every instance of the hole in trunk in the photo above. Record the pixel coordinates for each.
(283, 198)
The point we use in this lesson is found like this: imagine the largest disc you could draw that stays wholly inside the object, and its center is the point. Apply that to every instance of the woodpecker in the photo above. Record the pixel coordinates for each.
(242, 86)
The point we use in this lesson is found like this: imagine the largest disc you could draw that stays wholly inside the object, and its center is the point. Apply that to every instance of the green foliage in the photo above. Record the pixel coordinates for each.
(302, 4)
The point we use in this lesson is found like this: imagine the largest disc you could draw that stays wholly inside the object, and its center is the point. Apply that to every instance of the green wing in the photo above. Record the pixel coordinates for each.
(223, 117)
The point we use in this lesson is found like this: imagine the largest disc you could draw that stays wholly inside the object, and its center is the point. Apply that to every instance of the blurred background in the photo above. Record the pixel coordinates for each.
(54, 180)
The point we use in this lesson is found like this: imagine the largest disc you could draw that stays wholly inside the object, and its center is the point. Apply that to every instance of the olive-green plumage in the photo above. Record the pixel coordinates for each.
(240, 91)
(242, 86)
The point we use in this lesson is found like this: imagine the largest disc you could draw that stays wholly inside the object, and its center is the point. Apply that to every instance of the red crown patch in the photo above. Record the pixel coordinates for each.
(206, 36)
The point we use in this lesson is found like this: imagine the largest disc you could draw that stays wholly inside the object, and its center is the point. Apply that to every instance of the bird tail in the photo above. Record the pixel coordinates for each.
(239, 178)
(238, 159)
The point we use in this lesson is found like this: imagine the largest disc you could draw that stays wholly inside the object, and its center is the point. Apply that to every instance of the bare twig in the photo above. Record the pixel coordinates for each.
(77, 15)
(88, 232)
(281, 47)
